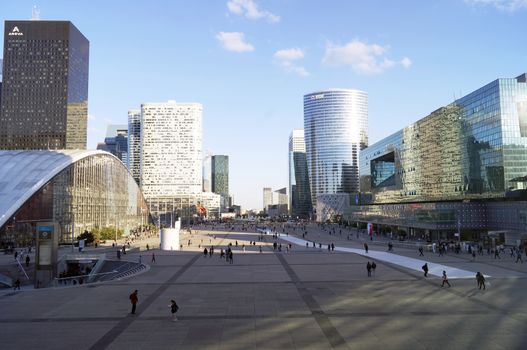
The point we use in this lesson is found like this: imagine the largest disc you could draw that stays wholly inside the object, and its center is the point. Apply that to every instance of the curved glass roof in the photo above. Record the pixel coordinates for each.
(23, 173)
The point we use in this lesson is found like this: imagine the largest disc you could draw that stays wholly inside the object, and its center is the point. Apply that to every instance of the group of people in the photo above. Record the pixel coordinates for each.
(370, 267)
(134, 300)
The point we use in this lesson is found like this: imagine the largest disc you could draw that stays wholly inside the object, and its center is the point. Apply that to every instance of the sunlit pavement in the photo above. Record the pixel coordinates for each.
(305, 299)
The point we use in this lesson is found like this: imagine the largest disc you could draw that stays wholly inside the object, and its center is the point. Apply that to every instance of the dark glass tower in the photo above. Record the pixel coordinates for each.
(220, 175)
(45, 86)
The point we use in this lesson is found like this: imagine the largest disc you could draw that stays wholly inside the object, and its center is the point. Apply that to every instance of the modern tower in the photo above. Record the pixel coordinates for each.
(45, 86)
(267, 197)
(171, 146)
(299, 192)
(336, 129)
(116, 142)
(220, 175)
(134, 144)
(207, 173)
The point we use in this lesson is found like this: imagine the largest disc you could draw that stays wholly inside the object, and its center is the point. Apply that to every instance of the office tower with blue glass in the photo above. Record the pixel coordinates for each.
(299, 193)
(335, 131)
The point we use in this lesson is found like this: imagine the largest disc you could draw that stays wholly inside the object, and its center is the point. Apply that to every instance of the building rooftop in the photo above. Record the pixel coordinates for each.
(23, 173)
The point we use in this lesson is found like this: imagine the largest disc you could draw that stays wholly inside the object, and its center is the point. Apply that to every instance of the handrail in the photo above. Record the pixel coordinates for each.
(24, 271)
(100, 273)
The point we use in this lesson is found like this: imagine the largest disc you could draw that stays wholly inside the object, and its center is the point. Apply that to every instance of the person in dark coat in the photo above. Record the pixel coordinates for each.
(173, 309)
(481, 280)
(134, 299)
(425, 269)
(368, 267)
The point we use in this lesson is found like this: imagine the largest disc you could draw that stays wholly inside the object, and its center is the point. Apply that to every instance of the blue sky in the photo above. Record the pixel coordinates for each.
(249, 62)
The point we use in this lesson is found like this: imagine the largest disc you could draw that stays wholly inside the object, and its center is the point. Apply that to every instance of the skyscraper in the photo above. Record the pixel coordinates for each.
(220, 179)
(336, 129)
(267, 197)
(134, 144)
(116, 142)
(171, 145)
(45, 86)
(220, 175)
(207, 173)
(299, 192)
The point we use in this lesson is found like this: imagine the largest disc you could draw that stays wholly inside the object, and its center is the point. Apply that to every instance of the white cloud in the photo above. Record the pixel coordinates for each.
(91, 117)
(234, 41)
(249, 9)
(502, 5)
(301, 71)
(406, 62)
(362, 57)
(286, 59)
(289, 54)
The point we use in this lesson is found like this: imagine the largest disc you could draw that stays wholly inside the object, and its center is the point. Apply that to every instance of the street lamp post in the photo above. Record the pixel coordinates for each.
(72, 229)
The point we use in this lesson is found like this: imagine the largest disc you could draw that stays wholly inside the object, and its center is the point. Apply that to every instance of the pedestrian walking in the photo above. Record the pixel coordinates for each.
(153, 258)
(366, 247)
(481, 280)
(134, 300)
(421, 251)
(173, 309)
(368, 267)
(28, 260)
(519, 256)
(473, 255)
(205, 252)
(497, 253)
(17, 284)
(373, 267)
(445, 279)
(332, 247)
(425, 269)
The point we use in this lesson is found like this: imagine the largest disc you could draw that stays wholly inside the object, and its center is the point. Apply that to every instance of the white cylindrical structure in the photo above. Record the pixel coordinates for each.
(170, 239)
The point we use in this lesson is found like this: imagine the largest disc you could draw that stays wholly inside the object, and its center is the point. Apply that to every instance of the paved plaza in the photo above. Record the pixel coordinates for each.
(307, 298)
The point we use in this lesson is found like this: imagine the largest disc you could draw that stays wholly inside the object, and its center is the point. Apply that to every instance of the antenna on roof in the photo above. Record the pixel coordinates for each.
(35, 13)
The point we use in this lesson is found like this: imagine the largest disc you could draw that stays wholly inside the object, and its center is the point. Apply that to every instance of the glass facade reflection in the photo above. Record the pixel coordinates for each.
(335, 130)
(45, 86)
(473, 148)
(299, 191)
(456, 170)
(92, 189)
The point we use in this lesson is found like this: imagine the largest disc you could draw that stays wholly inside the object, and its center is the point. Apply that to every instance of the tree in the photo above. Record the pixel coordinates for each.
(87, 236)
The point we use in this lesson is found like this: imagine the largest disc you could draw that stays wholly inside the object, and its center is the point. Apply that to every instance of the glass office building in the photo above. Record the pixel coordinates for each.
(220, 175)
(299, 192)
(78, 190)
(335, 130)
(134, 144)
(439, 172)
(45, 86)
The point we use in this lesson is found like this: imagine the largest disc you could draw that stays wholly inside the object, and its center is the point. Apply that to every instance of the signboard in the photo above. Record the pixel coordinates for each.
(47, 234)
(45, 239)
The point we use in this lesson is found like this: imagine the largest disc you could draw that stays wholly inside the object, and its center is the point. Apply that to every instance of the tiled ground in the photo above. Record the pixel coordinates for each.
(306, 299)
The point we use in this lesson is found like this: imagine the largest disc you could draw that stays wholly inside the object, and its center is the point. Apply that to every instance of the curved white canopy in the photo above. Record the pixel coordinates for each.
(23, 173)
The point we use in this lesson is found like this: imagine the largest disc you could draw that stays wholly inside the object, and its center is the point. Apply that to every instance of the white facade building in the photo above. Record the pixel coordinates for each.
(171, 146)
(207, 173)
